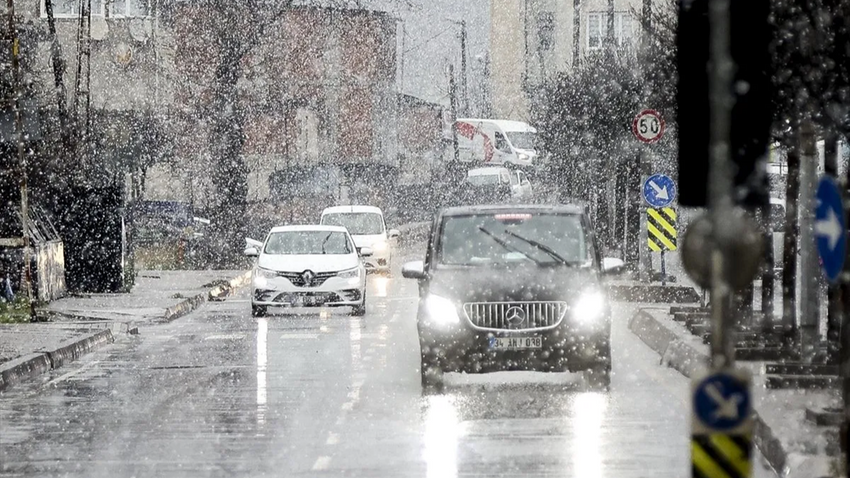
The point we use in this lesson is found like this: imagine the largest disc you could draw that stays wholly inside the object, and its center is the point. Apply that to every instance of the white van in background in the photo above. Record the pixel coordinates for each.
(496, 142)
(368, 229)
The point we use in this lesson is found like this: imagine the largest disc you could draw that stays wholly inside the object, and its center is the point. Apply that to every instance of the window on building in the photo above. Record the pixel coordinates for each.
(71, 8)
(597, 29)
(128, 8)
(546, 30)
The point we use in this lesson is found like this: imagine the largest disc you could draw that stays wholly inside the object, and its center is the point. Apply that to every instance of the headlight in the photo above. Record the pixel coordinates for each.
(589, 308)
(523, 157)
(380, 246)
(262, 276)
(440, 310)
(350, 273)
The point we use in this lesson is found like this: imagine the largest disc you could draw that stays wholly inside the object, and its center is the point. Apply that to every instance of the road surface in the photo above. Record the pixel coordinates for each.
(219, 393)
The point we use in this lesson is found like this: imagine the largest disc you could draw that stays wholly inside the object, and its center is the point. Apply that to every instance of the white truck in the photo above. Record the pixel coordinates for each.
(495, 141)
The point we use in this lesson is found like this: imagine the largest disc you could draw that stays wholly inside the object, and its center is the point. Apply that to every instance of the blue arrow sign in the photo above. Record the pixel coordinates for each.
(830, 228)
(659, 190)
(722, 402)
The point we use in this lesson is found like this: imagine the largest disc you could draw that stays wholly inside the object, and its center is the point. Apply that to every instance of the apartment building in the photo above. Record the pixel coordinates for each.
(532, 40)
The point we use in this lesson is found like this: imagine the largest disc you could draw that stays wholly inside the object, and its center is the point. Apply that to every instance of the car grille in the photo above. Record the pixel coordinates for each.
(515, 315)
(297, 278)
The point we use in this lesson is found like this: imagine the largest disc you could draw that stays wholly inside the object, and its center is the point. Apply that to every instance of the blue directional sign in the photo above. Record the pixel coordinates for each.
(659, 190)
(830, 228)
(722, 401)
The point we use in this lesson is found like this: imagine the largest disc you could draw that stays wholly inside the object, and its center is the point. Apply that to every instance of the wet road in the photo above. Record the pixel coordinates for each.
(219, 393)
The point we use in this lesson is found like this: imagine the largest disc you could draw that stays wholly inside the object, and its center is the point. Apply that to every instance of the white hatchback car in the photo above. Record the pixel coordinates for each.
(308, 266)
(367, 226)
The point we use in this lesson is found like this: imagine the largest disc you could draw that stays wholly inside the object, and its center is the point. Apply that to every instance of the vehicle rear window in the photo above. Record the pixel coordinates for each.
(508, 238)
(357, 223)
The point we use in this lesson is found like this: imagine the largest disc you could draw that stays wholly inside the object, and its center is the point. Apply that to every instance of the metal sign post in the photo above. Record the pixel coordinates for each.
(721, 439)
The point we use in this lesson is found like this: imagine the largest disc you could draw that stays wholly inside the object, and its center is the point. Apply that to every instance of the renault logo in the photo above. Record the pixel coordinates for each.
(515, 317)
(308, 277)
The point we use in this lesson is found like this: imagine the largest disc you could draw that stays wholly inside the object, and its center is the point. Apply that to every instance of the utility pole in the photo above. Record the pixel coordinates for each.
(453, 99)
(22, 157)
(576, 32)
(463, 66)
(789, 252)
(810, 286)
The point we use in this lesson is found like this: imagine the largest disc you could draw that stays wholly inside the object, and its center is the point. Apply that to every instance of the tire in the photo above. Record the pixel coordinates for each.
(598, 377)
(360, 310)
(258, 310)
(431, 374)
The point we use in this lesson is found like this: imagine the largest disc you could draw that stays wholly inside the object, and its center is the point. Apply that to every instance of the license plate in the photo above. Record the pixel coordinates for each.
(515, 343)
(304, 301)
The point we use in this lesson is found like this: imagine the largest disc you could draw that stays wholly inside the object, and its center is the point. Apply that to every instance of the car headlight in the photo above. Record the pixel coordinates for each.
(380, 246)
(262, 276)
(440, 310)
(349, 274)
(523, 157)
(589, 308)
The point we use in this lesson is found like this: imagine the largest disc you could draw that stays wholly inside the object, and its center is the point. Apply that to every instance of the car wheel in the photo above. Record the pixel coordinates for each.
(432, 374)
(598, 377)
(360, 310)
(258, 310)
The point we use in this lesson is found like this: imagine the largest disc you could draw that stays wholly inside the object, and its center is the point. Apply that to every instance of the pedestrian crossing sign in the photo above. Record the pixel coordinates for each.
(662, 234)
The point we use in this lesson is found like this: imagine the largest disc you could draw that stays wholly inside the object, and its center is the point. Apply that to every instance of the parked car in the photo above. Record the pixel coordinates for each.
(308, 266)
(513, 288)
(368, 228)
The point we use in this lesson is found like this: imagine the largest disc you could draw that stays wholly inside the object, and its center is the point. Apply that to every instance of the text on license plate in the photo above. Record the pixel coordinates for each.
(515, 343)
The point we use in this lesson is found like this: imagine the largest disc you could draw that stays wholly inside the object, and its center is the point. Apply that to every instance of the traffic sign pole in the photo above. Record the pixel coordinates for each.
(721, 439)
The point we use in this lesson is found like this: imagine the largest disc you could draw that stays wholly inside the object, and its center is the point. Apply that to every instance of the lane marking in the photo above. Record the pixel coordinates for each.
(298, 336)
(225, 337)
(322, 463)
(333, 439)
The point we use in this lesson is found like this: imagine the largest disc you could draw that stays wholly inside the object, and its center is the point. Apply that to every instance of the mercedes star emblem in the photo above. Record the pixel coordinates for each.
(515, 316)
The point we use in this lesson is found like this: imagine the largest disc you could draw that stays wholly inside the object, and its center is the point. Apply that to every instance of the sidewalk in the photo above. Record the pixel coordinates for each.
(794, 446)
(77, 325)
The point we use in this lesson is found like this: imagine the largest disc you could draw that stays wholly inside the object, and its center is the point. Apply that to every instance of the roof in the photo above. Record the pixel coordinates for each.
(352, 208)
(517, 208)
(486, 171)
(309, 227)
(506, 125)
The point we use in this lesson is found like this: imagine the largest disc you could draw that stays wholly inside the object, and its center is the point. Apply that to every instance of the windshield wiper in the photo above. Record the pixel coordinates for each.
(325, 242)
(542, 247)
(505, 245)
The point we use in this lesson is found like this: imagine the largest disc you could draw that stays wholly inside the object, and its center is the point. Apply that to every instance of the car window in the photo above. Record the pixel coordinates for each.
(483, 179)
(514, 179)
(308, 242)
(508, 238)
(357, 223)
(501, 143)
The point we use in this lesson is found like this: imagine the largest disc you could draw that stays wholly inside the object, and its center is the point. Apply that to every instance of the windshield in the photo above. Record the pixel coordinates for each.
(357, 223)
(307, 243)
(505, 239)
(483, 179)
(523, 139)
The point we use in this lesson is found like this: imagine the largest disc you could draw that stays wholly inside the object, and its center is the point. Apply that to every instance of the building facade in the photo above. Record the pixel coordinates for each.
(532, 40)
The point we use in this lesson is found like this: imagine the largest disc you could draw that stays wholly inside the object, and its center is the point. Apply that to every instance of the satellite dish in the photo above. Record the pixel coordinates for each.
(99, 28)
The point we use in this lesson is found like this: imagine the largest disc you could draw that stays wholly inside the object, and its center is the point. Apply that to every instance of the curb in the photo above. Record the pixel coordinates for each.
(684, 358)
(32, 365)
(217, 293)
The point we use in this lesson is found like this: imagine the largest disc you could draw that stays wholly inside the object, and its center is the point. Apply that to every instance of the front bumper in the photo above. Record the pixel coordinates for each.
(334, 292)
(460, 348)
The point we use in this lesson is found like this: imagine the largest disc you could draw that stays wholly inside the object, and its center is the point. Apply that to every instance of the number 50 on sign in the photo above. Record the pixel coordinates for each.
(648, 126)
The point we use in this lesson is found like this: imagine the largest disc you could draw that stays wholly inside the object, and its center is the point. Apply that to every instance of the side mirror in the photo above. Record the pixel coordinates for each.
(413, 270)
(393, 233)
(252, 252)
(612, 266)
(365, 252)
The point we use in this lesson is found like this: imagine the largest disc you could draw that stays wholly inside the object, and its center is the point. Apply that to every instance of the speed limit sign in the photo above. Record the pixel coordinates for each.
(648, 126)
